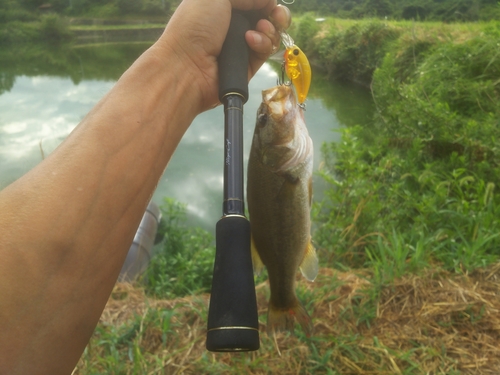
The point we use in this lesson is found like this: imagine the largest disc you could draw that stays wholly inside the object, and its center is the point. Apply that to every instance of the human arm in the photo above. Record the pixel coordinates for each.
(66, 226)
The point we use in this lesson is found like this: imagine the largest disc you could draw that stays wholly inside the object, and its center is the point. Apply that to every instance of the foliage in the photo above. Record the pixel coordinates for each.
(156, 7)
(436, 10)
(378, 8)
(354, 53)
(129, 6)
(303, 31)
(386, 207)
(11, 14)
(185, 263)
(456, 86)
(17, 32)
(91, 62)
(421, 185)
(34, 10)
(20, 26)
(54, 29)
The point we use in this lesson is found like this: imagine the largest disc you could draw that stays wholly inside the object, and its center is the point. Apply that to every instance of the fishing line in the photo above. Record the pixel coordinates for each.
(288, 2)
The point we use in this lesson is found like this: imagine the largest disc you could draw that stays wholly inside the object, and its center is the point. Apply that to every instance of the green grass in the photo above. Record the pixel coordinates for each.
(436, 323)
(184, 265)
(418, 187)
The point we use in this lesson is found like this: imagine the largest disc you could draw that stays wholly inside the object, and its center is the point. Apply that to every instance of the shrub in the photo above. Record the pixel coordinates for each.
(129, 6)
(355, 53)
(184, 265)
(10, 15)
(304, 31)
(18, 32)
(383, 194)
(54, 29)
(451, 94)
(155, 7)
(425, 177)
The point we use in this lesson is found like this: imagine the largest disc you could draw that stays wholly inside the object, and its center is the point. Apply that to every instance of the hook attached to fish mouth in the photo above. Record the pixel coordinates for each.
(281, 80)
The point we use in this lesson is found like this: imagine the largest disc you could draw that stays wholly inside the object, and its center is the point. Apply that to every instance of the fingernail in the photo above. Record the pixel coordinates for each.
(288, 16)
(257, 38)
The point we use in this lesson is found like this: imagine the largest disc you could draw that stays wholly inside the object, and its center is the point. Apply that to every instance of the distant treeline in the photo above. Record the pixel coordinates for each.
(30, 10)
(47, 21)
(436, 10)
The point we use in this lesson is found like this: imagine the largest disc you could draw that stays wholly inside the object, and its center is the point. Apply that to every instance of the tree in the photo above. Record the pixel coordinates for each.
(414, 12)
(129, 6)
(378, 8)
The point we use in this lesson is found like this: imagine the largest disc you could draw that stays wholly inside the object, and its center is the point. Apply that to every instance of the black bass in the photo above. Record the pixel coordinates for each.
(279, 194)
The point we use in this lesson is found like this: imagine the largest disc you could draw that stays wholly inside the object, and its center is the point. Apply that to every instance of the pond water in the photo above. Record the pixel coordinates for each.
(44, 94)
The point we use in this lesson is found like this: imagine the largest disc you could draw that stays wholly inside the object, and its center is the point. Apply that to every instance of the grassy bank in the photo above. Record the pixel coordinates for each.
(436, 323)
(56, 30)
(420, 185)
(431, 321)
(49, 29)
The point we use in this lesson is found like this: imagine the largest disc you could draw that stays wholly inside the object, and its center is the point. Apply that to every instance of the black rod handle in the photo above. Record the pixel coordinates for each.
(233, 59)
(233, 323)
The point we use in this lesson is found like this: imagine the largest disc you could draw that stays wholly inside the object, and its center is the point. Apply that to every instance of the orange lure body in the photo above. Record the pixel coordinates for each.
(298, 71)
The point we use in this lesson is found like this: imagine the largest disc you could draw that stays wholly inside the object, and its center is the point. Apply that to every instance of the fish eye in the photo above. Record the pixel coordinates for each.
(296, 52)
(262, 119)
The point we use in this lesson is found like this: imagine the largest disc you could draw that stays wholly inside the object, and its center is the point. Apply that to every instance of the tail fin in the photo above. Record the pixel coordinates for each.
(284, 319)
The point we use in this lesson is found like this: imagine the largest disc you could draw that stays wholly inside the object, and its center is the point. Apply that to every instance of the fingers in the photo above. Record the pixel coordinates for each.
(265, 39)
(281, 17)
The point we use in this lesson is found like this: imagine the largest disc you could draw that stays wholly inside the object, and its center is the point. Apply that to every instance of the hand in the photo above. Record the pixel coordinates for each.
(197, 30)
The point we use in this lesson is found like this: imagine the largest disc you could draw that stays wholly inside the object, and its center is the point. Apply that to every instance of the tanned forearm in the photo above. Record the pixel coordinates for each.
(73, 217)
(66, 226)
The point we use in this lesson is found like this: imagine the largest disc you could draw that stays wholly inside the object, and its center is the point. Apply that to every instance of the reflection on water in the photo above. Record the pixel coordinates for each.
(42, 99)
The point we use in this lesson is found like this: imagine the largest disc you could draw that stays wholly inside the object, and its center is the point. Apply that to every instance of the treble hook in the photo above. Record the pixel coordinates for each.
(288, 83)
(281, 80)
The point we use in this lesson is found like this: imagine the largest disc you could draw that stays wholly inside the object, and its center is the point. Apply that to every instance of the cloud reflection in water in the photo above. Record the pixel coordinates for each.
(46, 109)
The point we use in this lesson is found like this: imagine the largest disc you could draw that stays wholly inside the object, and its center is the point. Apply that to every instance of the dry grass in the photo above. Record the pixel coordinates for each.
(436, 323)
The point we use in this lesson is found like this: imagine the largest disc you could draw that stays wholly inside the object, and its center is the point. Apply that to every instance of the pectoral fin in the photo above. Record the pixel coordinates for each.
(256, 261)
(309, 266)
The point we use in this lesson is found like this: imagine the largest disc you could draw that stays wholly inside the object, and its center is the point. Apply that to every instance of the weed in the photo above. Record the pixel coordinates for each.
(184, 265)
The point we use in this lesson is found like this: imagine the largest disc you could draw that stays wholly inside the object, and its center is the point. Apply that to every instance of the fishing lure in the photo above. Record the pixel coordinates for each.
(297, 67)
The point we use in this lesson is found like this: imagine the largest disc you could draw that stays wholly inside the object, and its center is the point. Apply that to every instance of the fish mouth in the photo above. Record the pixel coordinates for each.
(280, 100)
(277, 93)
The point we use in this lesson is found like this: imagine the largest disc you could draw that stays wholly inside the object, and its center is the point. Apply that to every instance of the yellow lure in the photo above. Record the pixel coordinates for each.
(298, 71)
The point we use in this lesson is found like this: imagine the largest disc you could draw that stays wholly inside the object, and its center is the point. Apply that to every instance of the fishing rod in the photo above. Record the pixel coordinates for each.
(232, 317)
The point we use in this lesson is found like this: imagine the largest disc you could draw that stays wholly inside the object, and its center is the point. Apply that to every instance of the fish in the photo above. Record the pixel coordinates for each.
(298, 70)
(279, 196)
